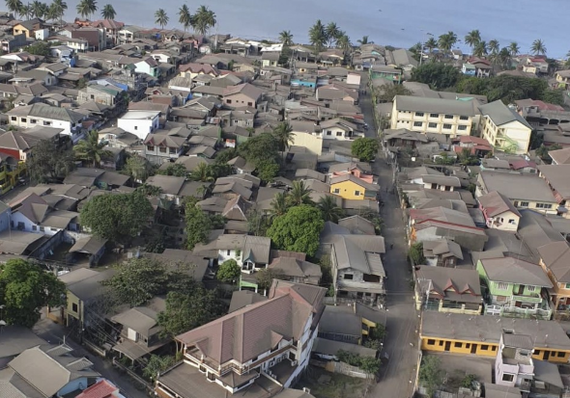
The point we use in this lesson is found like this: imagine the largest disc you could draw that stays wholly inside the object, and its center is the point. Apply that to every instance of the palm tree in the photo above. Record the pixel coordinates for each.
(161, 18)
(331, 32)
(286, 37)
(538, 47)
(329, 209)
(299, 194)
(279, 205)
(86, 8)
(108, 12)
(504, 58)
(430, 44)
(91, 150)
(203, 20)
(14, 6)
(25, 11)
(472, 38)
(480, 49)
(138, 168)
(446, 41)
(514, 49)
(494, 46)
(202, 173)
(318, 36)
(343, 42)
(184, 17)
(38, 9)
(57, 9)
(283, 133)
(364, 40)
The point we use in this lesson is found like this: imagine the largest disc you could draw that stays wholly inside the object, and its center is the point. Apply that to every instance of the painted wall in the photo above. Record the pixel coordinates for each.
(348, 190)
(313, 143)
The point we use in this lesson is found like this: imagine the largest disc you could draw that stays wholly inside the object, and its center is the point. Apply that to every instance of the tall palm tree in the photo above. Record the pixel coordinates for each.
(480, 49)
(203, 20)
(331, 31)
(538, 47)
(430, 44)
(57, 9)
(318, 36)
(299, 194)
(329, 209)
(184, 17)
(91, 150)
(38, 9)
(25, 11)
(86, 8)
(202, 173)
(514, 49)
(446, 41)
(283, 133)
(286, 37)
(161, 18)
(364, 40)
(343, 42)
(504, 58)
(108, 12)
(279, 205)
(472, 38)
(14, 6)
(494, 46)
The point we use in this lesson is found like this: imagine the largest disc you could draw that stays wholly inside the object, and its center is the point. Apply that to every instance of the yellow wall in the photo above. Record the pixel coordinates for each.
(73, 299)
(465, 347)
(346, 190)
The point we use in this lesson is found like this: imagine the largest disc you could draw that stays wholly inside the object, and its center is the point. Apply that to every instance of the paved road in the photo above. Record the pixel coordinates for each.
(401, 342)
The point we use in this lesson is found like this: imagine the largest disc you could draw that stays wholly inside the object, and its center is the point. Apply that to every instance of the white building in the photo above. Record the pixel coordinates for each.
(504, 128)
(139, 123)
(433, 115)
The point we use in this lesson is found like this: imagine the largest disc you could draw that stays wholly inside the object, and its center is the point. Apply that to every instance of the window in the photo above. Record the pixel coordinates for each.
(336, 190)
(136, 127)
(418, 124)
(531, 288)
(512, 221)
(33, 121)
(356, 193)
(339, 133)
(508, 377)
(462, 127)
(228, 252)
(434, 115)
(447, 126)
(172, 151)
(449, 116)
(47, 123)
(560, 354)
(249, 104)
(458, 345)
(485, 347)
(329, 132)
(42, 229)
(74, 307)
(502, 286)
(432, 125)
(419, 114)
(162, 149)
(536, 352)
(524, 204)
(441, 343)
(543, 206)
(463, 117)
(150, 148)
(92, 96)
(348, 277)
(34, 228)
(494, 348)
(24, 120)
(229, 101)
(567, 286)
(14, 118)
(431, 342)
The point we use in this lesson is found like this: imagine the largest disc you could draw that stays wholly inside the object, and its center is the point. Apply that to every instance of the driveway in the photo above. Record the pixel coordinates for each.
(398, 376)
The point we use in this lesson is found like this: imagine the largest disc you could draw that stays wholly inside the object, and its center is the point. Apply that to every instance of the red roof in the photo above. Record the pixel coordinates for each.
(521, 164)
(101, 389)
(476, 140)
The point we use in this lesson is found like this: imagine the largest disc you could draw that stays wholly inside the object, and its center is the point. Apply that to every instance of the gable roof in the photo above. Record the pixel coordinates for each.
(514, 270)
(558, 176)
(501, 114)
(434, 105)
(556, 257)
(47, 112)
(560, 156)
(450, 283)
(102, 389)
(495, 203)
(355, 180)
(252, 330)
(142, 319)
(246, 89)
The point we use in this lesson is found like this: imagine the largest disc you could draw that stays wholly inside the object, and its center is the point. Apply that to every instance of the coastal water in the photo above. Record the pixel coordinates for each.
(395, 22)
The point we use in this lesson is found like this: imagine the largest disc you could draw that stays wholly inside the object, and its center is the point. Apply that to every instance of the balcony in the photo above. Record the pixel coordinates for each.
(516, 312)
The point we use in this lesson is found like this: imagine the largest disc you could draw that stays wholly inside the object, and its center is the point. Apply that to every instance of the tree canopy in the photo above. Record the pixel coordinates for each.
(39, 48)
(25, 289)
(117, 217)
(263, 152)
(439, 76)
(298, 230)
(48, 163)
(198, 224)
(365, 149)
(229, 271)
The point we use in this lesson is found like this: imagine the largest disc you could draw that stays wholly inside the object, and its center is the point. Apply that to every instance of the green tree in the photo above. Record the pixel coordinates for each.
(225, 155)
(480, 49)
(431, 375)
(364, 40)
(286, 37)
(430, 44)
(332, 32)
(49, 163)
(284, 135)
(175, 169)
(265, 276)
(343, 42)
(263, 152)
(329, 209)
(267, 170)
(439, 76)
(446, 41)
(39, 48)
(555, 96)
(138, 168)
(117, 217)
(184, 17)
(157, 364)
(298, 230)
(543, 151)
(514, 49)
(198, 224)
(25, 289)
(86, 8)
(108, 12)
(472, 38)
(161, 18)
(416, 253)
(365, 149)
(538, 47)
(14, 6)
(91, 150)
(387, 92)
(373, 217)
(299, 194)
(318, 36)
(202, 173)
(204, 19)
(279, 204)
(38, 9)
(57, 9)
(229, 271)
(494, 46)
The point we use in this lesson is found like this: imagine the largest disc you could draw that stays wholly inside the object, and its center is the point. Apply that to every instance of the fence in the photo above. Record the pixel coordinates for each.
(348, 370)
(136, 377)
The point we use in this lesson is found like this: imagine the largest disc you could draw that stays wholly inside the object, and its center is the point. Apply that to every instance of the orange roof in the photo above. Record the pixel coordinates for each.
(101, 389)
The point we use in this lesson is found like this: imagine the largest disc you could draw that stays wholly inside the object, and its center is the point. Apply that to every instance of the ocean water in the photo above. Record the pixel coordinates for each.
(396, 22)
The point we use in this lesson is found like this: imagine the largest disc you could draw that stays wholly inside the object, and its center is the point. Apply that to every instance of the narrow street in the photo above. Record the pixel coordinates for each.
(397, 377)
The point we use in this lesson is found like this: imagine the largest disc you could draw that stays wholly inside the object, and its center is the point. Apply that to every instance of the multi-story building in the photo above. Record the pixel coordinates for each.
(504, 128)
(256, 350)
(514, 366)
(433, 115)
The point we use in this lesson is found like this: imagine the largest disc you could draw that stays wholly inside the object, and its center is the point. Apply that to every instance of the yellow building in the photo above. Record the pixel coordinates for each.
(504, 128)
(353, 188)
(555, 261)
(28, 27)
(480, 335)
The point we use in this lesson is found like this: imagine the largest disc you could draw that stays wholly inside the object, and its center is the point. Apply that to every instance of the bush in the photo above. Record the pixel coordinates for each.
(367, 364)
(365, 149)
(229, 271)
(416, 253)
